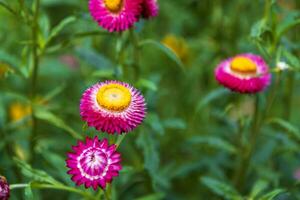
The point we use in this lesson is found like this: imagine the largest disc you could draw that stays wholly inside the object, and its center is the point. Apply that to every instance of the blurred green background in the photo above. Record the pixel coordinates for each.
(190, 143)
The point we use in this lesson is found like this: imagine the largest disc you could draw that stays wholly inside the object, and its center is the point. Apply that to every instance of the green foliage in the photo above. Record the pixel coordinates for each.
(199, 140)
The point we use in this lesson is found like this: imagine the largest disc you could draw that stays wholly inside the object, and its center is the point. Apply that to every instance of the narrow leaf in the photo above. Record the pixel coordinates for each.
(214, 142)
(49, 117)
(290, 128)
(220, 188)
(57, 29)
(213, 95)
(165, 50)
(271, 195)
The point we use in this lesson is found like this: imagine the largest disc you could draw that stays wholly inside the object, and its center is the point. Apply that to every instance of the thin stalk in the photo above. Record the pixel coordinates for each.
(107, 193)
(18, 186)
(63, 187)
(136, 53)
(247, 151)
(289, 95)
(120, 139)
(272, 95)
(119, 52)
(35, 60)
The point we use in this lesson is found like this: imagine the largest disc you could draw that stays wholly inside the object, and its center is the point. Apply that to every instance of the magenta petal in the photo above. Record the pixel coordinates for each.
(116, 22)
(249, 84)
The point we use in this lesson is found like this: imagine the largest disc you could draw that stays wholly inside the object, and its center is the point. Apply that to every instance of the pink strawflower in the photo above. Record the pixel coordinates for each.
(244, 73)
(4, 189)
(113, 107)
(94, 163)
(115, 15)
(150, 8)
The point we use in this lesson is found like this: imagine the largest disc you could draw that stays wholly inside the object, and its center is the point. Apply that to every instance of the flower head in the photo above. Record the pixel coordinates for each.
(178, 46)
(113, 107)
(93, 163)
(4, 69)
(4, 188)
(115, 15)
(244, 73)
(18, 111)
(150, 8)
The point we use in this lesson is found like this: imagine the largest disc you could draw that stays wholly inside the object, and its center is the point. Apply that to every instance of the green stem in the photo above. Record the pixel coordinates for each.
(247, 151)
(289, 95)
(119, 52)
(63, 187)
(136, 53)
(272, 95)
(120, 139)
(35, 60)
(107, 193)
(17, 186)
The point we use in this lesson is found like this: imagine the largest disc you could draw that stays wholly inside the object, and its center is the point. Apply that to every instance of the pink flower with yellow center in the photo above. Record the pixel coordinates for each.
(244, 73)
(115, 15)
(113, 107)
(150, 8)
(94, 163)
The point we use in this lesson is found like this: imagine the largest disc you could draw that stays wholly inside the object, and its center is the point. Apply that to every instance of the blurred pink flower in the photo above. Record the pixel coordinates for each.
(297, 174)
(70, 60)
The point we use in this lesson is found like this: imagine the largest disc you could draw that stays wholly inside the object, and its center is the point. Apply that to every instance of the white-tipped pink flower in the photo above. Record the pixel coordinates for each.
(94, 163)
(113, 107)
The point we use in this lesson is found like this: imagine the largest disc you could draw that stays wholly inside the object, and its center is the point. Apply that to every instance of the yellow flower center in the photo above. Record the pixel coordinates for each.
(243, 65)
(114, 6)
(114, 97)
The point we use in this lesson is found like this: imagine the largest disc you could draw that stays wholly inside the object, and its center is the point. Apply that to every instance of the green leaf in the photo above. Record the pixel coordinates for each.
(290, 128)
(259, 186)
(213, 95)
(57, 29)
(28, 193)
(94, 58)
(147, 143)
(57, 162)
(271, 195)
(34, 174)
(258, 29)
(289, 22)
(53, 93)
(165, 50)
(144, 83)
(49, 117)
(8, 8)
(174, 123)
(155, 123)
(220, 188)
(214, 142)
(292, 60)
(155, 196)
